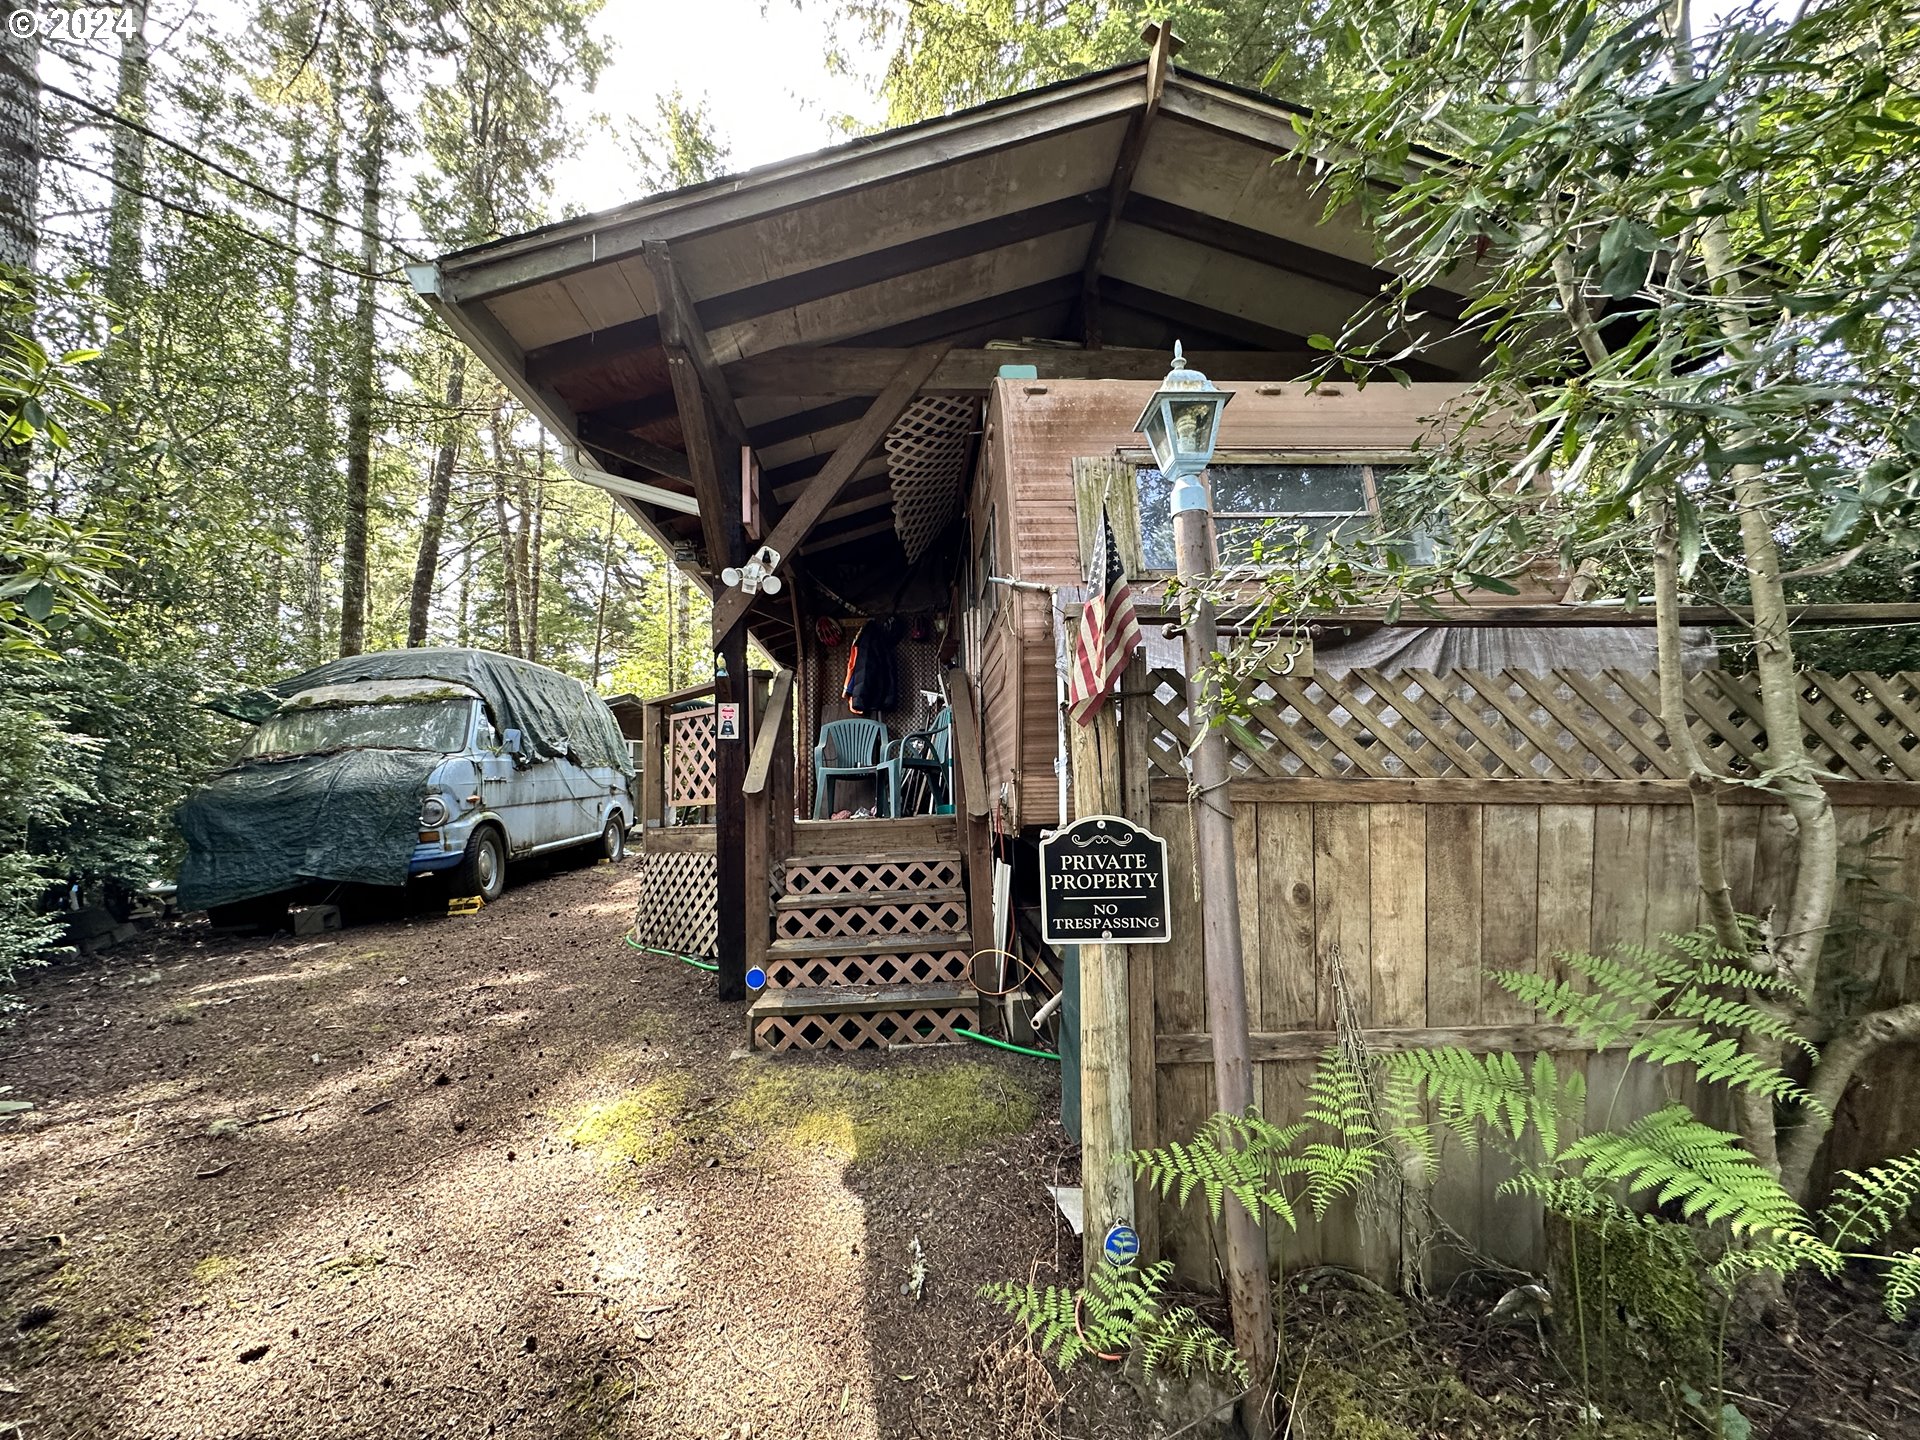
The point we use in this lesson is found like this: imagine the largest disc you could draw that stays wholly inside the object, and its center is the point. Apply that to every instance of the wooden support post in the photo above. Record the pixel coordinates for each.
(1136, 727)
(653, 770)
(1249, 1290)
(758, 918)
(1106, 1064)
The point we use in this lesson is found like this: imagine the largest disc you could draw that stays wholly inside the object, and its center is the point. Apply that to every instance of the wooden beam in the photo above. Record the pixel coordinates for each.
(808, 370)
(1164, 46)
(1473, 790)
(825, 487)
(636, 414)
(703, 464)
(767, 434)
(1278, 253)
(1272, 1045)
(682, 334)
(761, 761)
(648, 456)
(546, 363)
(966, 748)
(939, 248)
(817, 543)
(962, 320)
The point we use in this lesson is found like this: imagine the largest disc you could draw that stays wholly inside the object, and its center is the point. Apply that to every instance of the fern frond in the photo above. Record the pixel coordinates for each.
(1702, 1170)
(1717, 1059)
(1628, 972)
(1470, 1090)
(1181, 1340)
(1233, 1155)
(1724, 1012)
(1867, 1204)
(1337, 1098)
(1783, 1253)
(1903, 1284)
(1604, 1019)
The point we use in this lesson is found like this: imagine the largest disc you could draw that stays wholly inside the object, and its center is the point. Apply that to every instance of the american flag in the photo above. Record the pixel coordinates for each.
(1109, 630)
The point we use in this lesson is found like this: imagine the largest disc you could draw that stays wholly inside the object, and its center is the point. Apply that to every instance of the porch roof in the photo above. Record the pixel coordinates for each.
(1083, 227)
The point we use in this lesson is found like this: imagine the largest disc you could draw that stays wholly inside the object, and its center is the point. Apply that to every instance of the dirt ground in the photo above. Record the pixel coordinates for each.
(498, 1176)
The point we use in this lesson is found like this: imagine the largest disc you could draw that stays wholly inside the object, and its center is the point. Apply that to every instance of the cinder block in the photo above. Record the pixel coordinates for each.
(315, 919)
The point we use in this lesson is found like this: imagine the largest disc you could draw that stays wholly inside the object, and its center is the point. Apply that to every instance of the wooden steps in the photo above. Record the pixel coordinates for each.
(870, 949)
(857, 1017)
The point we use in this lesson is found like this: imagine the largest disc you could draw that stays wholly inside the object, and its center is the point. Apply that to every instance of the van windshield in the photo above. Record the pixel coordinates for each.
(439, 726)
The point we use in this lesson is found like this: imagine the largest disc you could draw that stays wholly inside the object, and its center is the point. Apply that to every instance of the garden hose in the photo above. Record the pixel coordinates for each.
(1007, 1045)
(670, 954)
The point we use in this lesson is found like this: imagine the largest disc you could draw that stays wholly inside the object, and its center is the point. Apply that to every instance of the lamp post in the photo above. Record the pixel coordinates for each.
(1182, 423)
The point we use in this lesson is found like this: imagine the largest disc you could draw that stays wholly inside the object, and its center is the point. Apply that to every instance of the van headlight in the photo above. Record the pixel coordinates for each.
(433, 811)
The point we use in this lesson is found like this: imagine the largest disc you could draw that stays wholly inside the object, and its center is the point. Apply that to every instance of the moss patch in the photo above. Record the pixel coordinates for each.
(214, 1269)
(939, 1112)
(637, 1128)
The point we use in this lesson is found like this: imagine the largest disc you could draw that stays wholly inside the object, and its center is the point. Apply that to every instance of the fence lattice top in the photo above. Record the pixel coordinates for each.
(1514, 724)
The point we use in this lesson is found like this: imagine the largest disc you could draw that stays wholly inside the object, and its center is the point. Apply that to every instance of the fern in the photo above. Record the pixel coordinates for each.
(1866, 1205)
(1119, 1310)
(1903, 1284)
(1719, 1060)
(1470, 1091)
(1684, 1162)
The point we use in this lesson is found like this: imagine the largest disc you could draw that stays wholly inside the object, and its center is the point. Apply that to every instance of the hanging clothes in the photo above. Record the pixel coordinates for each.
(873, 670)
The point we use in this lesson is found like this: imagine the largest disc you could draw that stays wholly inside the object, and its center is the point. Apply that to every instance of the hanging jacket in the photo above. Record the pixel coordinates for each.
(873, 671)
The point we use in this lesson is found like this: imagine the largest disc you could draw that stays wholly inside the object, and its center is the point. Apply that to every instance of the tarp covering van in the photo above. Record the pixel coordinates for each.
(376, 768)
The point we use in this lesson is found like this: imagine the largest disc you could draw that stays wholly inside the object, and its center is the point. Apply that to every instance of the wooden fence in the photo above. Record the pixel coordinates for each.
(1397, 837)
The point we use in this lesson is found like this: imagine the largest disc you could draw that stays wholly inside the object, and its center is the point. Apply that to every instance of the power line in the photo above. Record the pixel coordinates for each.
(116, 118)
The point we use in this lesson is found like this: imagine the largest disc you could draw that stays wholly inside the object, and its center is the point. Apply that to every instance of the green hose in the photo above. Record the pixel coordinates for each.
(670, 954)
(1007, 1045)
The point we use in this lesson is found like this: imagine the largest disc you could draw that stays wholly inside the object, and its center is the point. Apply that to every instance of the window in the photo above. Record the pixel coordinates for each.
(1274, 498)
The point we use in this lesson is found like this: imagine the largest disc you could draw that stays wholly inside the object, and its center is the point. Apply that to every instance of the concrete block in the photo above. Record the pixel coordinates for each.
(315, 919)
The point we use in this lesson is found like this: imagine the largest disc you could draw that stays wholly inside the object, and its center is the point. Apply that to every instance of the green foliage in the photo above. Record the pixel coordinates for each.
(1119, 1310)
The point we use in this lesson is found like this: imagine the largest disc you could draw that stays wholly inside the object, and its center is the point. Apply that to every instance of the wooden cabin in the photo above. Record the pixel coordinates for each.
(908, 367)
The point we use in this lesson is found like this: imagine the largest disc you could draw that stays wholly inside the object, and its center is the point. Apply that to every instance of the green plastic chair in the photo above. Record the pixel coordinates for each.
(856, 747)
(928, 751)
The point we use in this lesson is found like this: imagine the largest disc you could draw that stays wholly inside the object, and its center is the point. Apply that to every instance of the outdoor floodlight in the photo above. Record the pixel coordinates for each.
(756, 577)
(1181, 423)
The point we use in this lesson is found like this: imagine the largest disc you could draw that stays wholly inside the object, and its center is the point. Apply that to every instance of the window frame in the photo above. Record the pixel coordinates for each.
(1368, 460)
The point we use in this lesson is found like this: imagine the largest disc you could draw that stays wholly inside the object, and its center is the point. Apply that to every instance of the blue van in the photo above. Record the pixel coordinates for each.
(378, 768)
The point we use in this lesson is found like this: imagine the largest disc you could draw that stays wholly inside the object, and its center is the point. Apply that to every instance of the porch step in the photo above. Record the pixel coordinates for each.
(843, 1017)
(916, 870)
(869, 897)
(840, 917)
(903, 965)
(867, 944)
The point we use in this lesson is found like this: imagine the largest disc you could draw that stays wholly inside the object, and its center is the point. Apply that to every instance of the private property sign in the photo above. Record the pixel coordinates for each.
(1103, 879)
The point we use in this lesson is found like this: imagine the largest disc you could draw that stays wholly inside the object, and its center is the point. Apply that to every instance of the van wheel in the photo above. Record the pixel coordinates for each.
(613, 843)
(483, 869)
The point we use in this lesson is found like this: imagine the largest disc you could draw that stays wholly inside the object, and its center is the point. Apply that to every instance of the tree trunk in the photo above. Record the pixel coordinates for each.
(532, 540)
(439, 489)
(19, 147)
(503, 529)
(322, 338)
(606, 577)
(124, 283)
(360, 384)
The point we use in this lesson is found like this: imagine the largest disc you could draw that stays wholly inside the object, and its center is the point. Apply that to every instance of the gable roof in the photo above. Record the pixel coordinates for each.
(1123, 209)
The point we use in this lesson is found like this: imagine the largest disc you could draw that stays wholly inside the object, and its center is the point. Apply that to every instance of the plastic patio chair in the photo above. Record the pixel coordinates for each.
(856, 747)
(928, 752)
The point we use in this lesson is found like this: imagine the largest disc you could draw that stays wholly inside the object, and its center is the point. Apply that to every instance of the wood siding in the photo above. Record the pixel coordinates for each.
(1035, 430)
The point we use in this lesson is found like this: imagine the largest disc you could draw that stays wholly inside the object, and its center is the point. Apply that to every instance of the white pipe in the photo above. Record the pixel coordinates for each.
(1045, 1012)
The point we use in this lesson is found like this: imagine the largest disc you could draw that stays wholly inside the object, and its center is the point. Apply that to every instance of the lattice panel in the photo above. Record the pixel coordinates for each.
(691, 759)
(843, 877)
(785, 972)
(866, 922)
(679, 902)
(927, 462)
(881, 1030)
(1515, 724)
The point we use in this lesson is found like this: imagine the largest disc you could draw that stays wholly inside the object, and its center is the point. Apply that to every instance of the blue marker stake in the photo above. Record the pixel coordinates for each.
(1122, 1245)
(756, 979)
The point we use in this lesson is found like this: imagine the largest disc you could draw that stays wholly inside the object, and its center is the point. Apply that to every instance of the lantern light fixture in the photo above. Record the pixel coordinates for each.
(1182, 424)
